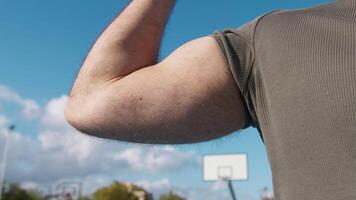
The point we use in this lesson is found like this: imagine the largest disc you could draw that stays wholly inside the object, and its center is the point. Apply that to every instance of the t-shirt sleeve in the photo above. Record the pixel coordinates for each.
(237, 45)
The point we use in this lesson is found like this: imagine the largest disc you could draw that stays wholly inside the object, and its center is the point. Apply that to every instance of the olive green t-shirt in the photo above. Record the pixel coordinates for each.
(296, 69)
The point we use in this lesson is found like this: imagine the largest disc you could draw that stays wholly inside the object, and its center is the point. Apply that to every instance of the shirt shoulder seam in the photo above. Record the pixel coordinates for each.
(253, 45)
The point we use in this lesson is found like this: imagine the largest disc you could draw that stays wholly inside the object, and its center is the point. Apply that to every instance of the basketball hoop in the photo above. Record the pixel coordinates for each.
(227, 167)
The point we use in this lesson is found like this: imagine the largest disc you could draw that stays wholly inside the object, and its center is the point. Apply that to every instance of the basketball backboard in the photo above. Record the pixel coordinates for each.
(225, 167)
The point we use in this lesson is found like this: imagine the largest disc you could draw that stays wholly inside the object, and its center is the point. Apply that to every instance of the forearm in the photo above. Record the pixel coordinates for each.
(129, 43)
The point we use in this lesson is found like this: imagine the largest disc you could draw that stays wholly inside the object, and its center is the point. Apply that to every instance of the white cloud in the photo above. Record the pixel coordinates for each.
(8, 94)
(53, 113)
(157, 187)
(30, 185)
(218, 185)
(30, 109)
(155, 159)
(3, 120)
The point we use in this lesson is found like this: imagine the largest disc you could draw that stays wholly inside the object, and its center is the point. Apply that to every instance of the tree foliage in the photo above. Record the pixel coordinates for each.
(119, 191)
(84, 198)
(15, 192)
(170, 196)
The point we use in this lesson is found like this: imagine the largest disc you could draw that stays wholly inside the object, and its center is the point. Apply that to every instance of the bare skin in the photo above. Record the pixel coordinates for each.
(122, 93)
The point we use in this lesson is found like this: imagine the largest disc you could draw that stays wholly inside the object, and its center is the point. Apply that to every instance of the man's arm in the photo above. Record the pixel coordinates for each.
(122, 93)
(129, 43)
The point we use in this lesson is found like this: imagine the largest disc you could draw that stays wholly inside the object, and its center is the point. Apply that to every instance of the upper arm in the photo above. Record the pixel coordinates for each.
(189, 97)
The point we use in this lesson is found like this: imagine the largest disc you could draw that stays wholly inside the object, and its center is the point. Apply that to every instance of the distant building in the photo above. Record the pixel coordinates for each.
(139, 192)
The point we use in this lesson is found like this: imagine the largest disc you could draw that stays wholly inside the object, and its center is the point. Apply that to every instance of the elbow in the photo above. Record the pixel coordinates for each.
(73, 116)
(75, 113)
(88, 116)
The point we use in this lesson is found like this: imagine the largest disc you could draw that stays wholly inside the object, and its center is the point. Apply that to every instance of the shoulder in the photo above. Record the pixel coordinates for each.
(288, 16)
(277, 24)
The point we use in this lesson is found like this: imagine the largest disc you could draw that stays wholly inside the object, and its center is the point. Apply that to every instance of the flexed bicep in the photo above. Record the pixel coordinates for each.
(188, 97)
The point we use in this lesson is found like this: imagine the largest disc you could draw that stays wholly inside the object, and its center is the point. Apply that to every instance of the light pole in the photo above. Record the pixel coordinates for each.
(4, 158)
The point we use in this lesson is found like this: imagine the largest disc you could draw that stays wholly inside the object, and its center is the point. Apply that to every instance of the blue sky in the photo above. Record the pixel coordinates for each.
(42, 46)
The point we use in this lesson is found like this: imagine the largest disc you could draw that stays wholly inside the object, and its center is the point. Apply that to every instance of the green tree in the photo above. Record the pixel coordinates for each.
(33, 195)
(84, 198)
(120, 191)
(15, 192)
(170, 196)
